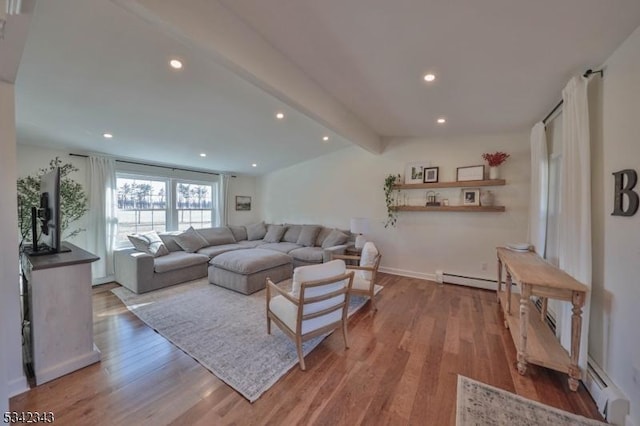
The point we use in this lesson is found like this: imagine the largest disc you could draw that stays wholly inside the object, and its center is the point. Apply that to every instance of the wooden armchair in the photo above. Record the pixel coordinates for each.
(366, 270)
(317, 304)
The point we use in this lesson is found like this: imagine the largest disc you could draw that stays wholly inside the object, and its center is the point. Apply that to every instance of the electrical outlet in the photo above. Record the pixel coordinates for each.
(484, 266)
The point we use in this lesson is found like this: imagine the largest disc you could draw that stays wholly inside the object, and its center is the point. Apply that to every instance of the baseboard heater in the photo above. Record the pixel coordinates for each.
(611, 402)
(468, 281)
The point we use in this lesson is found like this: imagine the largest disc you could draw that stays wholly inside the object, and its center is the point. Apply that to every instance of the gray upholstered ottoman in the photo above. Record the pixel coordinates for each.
(246, 271)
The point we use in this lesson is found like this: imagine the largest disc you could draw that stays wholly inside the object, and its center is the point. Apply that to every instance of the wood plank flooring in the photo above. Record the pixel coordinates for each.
(401, 368)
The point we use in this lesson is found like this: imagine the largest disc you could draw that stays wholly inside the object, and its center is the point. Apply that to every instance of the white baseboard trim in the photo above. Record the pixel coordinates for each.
(53, 372)
(103, 280)
(18, 386)
(405, 273)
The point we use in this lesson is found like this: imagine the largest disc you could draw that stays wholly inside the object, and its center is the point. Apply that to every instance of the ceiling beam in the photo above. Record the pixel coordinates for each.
(211, 28)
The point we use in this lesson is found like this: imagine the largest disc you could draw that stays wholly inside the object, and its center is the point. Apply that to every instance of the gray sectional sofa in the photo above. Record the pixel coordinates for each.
(192, 254)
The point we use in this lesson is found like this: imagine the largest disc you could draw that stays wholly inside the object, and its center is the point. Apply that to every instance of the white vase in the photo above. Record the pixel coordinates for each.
(486, 198)
(493, 172)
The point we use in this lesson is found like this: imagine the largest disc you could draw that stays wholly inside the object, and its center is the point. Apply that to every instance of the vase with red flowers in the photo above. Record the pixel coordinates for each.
(495, 159)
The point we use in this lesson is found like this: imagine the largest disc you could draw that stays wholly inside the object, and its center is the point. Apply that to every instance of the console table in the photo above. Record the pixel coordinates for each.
(60, 312)
(534, 340)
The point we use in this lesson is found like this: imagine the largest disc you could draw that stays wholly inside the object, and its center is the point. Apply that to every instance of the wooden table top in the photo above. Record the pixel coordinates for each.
(529, 268)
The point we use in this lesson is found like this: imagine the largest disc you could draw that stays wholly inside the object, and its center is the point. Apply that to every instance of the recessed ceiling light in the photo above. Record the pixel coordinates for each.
(203, 154)
(429, 77)
(280, 116)
(254, 165)
(175, 64)
(107, 135)
(325, 138)
(442, 120)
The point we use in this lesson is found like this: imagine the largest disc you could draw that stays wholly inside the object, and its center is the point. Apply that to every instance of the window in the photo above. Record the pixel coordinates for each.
(142, 206)
(194, 205)
(162, 204)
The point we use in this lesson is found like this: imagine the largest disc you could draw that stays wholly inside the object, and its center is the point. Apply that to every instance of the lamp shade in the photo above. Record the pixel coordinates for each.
(359, 225)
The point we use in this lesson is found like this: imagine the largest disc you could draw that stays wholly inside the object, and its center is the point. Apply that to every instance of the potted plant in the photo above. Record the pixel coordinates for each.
(495, 159)
(392, 213)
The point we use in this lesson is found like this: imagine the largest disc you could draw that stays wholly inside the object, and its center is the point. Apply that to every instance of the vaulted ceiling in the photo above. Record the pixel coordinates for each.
(348, 70)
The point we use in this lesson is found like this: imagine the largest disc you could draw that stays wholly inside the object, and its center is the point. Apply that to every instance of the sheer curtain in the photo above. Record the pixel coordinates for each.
(103, 220)
(223, 205)
(539, 189)
(574, 230)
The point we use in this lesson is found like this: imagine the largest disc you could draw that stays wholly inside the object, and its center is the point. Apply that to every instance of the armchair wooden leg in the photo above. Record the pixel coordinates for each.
(268, 324)
(344, 334)
(373, 301)
(300, 354)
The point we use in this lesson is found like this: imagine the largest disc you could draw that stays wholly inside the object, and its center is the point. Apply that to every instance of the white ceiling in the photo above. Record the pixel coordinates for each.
(92, 66)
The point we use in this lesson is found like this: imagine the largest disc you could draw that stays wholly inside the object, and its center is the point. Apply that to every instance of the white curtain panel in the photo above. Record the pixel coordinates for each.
(103, 220)
(574, 239)
(538, 206)
(223, 200)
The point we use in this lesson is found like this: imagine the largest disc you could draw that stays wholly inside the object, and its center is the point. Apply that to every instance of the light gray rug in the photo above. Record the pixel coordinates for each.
(479, 404)
(224, 331)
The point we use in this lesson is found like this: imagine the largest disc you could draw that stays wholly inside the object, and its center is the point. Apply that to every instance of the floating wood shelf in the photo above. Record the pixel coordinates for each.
(449, 208)
(464, 184)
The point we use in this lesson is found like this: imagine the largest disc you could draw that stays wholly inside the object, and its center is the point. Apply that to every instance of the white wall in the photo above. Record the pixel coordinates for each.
(12, 379)
(348, 183)
(247, 186)
(614, 339)
(32, 158)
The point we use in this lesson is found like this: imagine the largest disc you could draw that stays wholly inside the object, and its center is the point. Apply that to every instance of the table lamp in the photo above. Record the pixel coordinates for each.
(359, 226)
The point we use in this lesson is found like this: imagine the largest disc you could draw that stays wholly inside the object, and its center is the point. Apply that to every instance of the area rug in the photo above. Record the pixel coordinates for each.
(224, 331)
(479, 404)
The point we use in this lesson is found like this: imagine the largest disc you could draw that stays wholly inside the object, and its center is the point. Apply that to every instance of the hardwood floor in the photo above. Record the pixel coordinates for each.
(401, 368)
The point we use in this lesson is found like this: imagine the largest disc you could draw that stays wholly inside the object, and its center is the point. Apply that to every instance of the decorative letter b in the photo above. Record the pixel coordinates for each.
(621, 190)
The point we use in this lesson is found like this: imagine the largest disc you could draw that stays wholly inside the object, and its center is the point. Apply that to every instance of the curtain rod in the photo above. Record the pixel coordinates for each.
(154, 165)
(588, 73)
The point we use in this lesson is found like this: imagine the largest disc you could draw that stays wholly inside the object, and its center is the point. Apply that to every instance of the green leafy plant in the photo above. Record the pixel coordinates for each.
(392, 213)
(73, 199)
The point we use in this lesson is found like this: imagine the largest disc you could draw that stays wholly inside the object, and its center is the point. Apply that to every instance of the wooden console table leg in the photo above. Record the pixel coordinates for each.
(576, 332)
(499, 280)
(543, 309)
(524, 326)
(508, 283)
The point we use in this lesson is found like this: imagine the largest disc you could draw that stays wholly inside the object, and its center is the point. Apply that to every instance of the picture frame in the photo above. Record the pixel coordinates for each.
(414, 172)
(468, 173)
(243, 203)
(470, 197)
(430, 174)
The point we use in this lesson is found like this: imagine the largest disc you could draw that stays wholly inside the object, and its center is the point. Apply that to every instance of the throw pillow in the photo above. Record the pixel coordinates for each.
(257, 231)
(317, 272)
(335, 238)
(324, 233)
(368, 258)
(217, 236)
(239, 232)
(308, 235)
(274, 233)
(149, 243)
(169, 240)
(191, 241)
(292, 234)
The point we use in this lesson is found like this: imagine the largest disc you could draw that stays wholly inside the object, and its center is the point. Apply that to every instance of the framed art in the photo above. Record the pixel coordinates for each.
(470, 173)
(470, 197)
(413, 172)
(430, 174)
(243, 203)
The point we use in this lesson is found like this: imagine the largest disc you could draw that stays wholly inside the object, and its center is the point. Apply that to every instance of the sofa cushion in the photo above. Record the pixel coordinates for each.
(308, 235)
(149, 242)
(250, 261)
(257, 231)
(190, 240)
(169, 240)
(178, 260)
(217, 236)
(282, 247)
(274, 233)
(239, 232)
(292, 234)
(250, 244)
(213, 251)
(335, 238)
(322, 235)
(308, 254)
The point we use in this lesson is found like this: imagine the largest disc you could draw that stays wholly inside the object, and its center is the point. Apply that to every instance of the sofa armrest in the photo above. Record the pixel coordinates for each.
(133, 268)
(327, 254)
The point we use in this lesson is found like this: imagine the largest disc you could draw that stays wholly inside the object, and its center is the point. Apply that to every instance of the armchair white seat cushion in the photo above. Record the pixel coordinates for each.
(367, 258)
(360, 283)
(288, 313)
